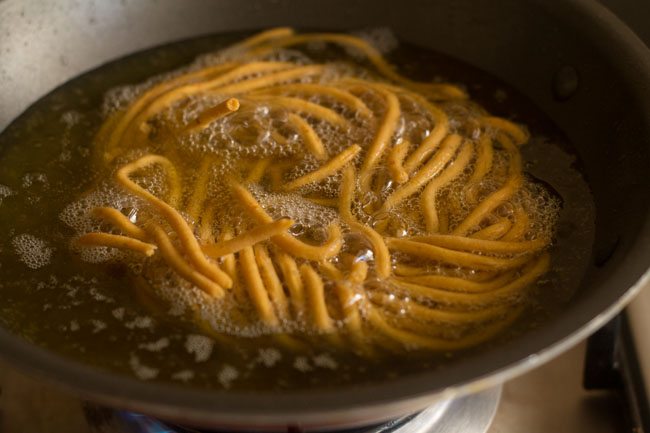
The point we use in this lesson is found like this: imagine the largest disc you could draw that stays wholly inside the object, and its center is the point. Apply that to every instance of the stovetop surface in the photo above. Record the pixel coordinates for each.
(552, 399)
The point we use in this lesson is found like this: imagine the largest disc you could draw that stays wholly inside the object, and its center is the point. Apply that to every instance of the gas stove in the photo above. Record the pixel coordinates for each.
(592, 388)
(470, 414)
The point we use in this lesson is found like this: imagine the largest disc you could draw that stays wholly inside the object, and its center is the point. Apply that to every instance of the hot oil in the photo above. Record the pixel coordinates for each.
(100, 314)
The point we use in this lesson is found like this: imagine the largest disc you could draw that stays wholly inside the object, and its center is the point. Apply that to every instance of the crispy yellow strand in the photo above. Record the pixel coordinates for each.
(482, 166)
(257, 171)
(186, 237)
(380, 250)
(256, 290)
(463, 243)
(206, 226)
(229, 263)
(115, 241)
(359, 272)
(251, 84)
(455, 284)
(285, 241)
(326, 170)
(379, 182)
(382, 137)
(350, 301)
(395, 159)
(457, 258)
(442, 91)
(309, 136)
(424, 175)
(305, 107)
(331, 271)
(494, 231)
(407, 323)
(279, 138)
(498, 197)
(261, 38)
(199, 192)
(518, 134)
(120, 221)
(406, 270)
(348, 185)
(520, 225)
(433, 140)
(416, 341)
(443, 220)
(339, 95)
(271, 281)
(293, 280)
(173, 180)
(428, 197)
(119, 123)
(472, 300)
(176, 261)
(165, 100)
(316, 298)
(248, 239)
(352, 318)
(205, 118)
(428, 314)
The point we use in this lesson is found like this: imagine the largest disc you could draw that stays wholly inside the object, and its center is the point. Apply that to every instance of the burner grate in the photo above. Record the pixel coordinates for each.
(469, 414)
(131, 422)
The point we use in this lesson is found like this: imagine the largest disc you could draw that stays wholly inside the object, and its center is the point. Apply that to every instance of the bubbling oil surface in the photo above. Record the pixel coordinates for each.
(82, 304)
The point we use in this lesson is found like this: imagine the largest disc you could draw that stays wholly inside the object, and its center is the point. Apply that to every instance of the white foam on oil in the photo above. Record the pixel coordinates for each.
(227, 375)
(98, 325)
(325, 360)
(200, 346)
(140, 322)
(269, 356)
(5, 192)
(118, 313)
(32, 251)
(302, 364)
(155, 346)
(71, 118)
(381, 38)
(142, 371)
(183, 375)
(31, 179)
(78, 216)
(100, 297)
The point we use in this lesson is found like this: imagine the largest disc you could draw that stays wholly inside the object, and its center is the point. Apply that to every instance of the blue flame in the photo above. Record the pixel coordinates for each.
(138, 423)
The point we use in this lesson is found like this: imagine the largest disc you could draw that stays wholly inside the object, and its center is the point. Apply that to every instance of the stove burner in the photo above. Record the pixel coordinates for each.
(469, 414)
(143, 424)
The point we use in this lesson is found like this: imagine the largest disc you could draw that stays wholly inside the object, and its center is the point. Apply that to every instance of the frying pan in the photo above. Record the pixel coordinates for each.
(573, 58)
